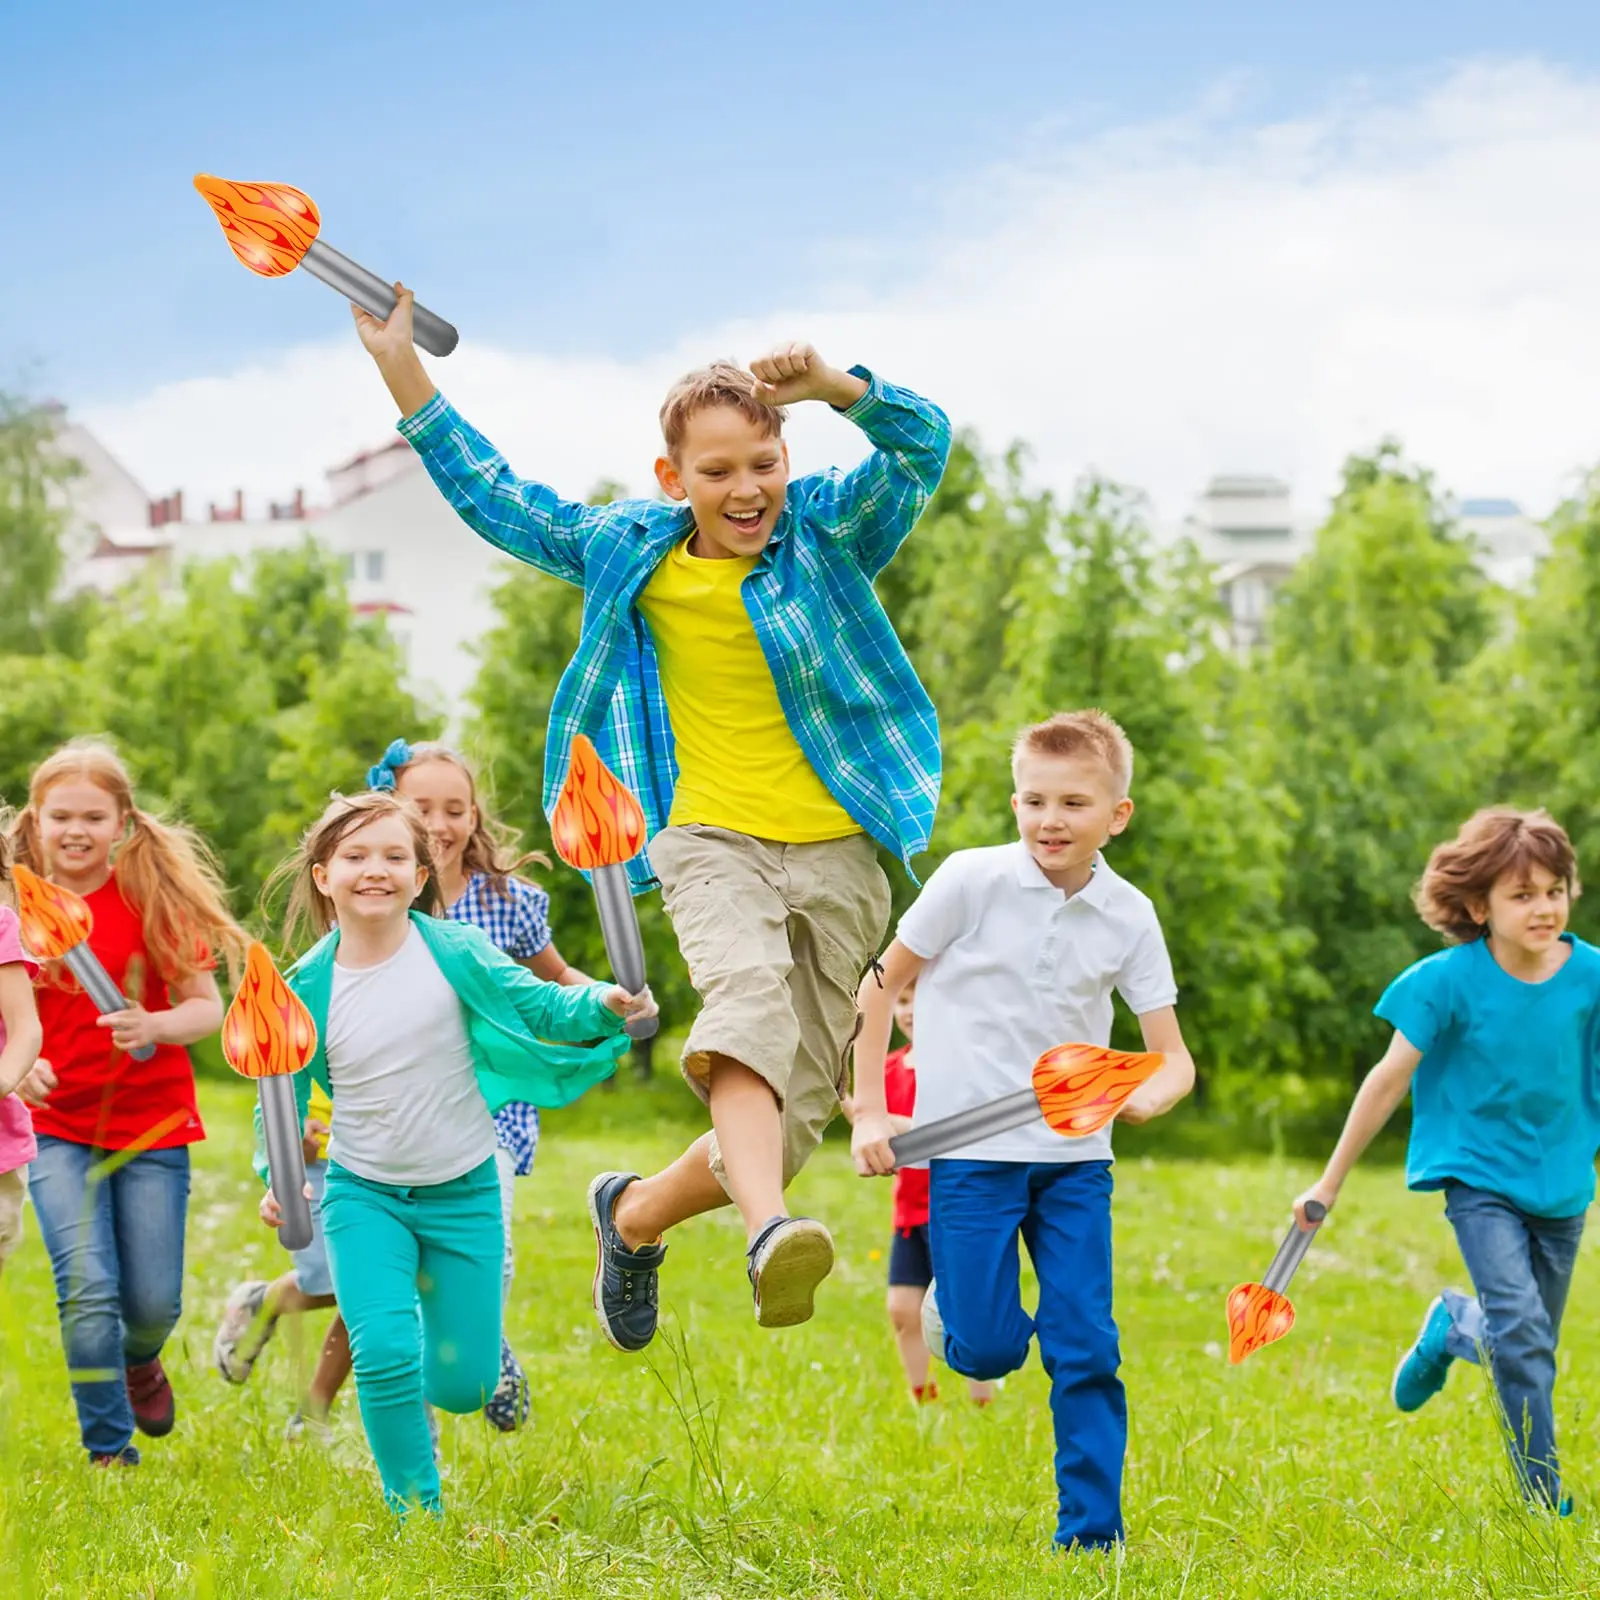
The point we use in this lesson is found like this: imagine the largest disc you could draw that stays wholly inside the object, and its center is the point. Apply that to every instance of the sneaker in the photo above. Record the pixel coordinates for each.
(509, 1405)
(300, 1427)
(932, 1324)
(127, 1456)
(1424, 1367)
(624, 1279)
(154, 1408)
(788, 1259)
(243, 1333)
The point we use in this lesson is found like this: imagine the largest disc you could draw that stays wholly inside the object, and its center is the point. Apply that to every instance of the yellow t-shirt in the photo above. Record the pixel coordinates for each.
(320, 1107)
(739, 766)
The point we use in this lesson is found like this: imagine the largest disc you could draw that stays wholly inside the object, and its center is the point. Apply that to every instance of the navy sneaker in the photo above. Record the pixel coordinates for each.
(787, 1260)
(624, 1279)
(509, 1405)
(127, 1456)
(1424, 1367)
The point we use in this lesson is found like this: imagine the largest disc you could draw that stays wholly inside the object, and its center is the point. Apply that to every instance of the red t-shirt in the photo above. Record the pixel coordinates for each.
(103, 1097)
(900, 1099)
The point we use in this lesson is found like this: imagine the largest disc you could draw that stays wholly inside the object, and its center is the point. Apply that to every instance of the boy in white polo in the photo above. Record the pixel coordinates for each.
(1014, 949)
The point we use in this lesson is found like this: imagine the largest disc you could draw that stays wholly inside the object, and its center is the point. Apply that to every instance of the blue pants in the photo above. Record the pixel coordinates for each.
(1521, 1267)
(417, 1275)
(115, 1240)
(1062, 1212)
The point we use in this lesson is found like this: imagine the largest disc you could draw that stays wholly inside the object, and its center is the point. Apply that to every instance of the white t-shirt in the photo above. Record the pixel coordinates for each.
(1013, 968)
(407, 1108)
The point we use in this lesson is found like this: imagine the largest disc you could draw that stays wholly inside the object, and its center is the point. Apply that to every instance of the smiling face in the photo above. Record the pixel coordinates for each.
(905, 1009)
(1066, 808)
(79, 824)
(373, 874)
(1526, 912)
(442, 793)
(733, 476)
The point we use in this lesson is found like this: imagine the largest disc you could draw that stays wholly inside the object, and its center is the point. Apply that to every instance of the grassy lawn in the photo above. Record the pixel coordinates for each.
(732, 1461)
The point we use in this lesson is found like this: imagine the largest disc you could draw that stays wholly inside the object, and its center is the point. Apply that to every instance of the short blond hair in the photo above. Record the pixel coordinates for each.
(723, 383)
(1080, 733)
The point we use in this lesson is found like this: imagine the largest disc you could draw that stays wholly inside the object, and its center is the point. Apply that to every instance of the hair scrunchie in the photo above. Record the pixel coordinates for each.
(398, 755)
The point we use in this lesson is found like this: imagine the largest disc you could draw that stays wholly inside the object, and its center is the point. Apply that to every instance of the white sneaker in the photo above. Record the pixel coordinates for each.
(243, 1333)
(315, 1429)
(932, 1325)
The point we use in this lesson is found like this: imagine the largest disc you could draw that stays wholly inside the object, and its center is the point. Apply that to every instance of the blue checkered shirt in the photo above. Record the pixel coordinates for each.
(518, 922)
(851, 698)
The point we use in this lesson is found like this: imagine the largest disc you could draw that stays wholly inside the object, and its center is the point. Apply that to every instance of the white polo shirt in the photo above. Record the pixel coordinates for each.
(1014, 967)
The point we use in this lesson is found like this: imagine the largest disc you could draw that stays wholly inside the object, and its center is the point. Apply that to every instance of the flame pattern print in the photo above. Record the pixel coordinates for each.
(1257, 1316)
(1081, 1087)
(54, 920)
(268, 1031)
(597, 821)
(268, 226)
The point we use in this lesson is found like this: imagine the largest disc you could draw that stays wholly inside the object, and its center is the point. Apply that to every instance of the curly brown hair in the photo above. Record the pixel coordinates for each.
(1493, 844)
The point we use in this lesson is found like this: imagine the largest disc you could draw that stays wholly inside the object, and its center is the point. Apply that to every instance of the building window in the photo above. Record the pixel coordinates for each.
(374, 572)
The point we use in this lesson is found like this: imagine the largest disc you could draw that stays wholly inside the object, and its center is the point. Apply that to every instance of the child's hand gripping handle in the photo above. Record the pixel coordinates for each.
(1293, 1249)
(108, 999)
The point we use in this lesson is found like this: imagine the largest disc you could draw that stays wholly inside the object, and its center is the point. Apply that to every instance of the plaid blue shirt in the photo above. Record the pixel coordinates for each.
(851, 698)
(518, 922)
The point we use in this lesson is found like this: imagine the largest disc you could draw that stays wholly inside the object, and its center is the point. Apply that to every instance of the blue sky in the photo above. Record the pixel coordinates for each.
(596, 178)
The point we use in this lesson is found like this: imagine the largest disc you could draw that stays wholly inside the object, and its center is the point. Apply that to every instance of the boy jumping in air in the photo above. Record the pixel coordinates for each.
(736, 671)
(1014, 949)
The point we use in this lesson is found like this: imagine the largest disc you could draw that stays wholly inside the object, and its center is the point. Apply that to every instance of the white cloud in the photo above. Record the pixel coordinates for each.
(1162, 303)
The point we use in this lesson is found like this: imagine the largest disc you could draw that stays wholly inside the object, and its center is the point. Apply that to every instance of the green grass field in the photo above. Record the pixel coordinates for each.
(732, 1461)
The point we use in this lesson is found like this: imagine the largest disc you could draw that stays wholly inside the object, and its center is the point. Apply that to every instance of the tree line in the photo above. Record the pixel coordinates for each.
(1286, 800)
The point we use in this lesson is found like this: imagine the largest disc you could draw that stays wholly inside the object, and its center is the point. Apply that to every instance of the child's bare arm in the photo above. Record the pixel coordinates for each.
(1383, 1088)
(24, 1036)
(195, 1014)
(1160, 1092)
(873, 1126)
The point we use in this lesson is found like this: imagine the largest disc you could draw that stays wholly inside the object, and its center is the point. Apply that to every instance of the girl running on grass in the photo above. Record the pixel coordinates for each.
(424, 1029)
(20, 1037)
(110, 1183)
(1496, 1039)
(475, 866)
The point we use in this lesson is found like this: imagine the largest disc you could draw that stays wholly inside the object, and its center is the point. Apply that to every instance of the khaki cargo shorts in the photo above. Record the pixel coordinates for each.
(13, 1191)
(776, 938)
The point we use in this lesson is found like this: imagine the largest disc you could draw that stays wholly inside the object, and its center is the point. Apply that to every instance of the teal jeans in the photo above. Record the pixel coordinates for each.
(393, 1250)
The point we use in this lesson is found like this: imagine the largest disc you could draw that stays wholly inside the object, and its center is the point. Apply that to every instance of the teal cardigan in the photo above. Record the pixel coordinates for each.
(509, 1014)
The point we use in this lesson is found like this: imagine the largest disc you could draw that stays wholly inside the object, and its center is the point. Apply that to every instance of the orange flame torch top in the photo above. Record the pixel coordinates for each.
(1257, 1316)
(267, 1032)
(1081, 1087)
(597, 821)
(54, 920)
(269, 226)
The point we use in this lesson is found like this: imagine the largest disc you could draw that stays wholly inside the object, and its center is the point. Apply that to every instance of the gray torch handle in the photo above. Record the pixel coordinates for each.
(371, 293)
(1293, 1249)
(619, 926)
(85, 966)
(965, 1127)
(286, 1160)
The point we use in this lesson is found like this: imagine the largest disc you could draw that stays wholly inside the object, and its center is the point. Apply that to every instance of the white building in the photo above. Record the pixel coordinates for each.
(406, 554)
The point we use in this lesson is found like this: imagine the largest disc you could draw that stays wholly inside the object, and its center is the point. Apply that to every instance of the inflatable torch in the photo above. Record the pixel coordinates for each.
(268, 1035)
(1077, 1089)
(1260, 1313)
(56, 925)
(272, 228)
(598, 827)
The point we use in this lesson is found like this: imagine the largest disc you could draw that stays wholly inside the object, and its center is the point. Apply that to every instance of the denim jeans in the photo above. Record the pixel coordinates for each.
(115, 1238)
(1062, 1212)
(1521, 1267)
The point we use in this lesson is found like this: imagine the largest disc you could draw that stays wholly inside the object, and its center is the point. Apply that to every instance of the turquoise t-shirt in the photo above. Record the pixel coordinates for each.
(1505, 1097)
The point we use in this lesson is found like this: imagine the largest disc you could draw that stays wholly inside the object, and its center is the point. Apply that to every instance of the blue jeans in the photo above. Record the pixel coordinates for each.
(1521, 1267)
(115, 1238)
(1062, 1213)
